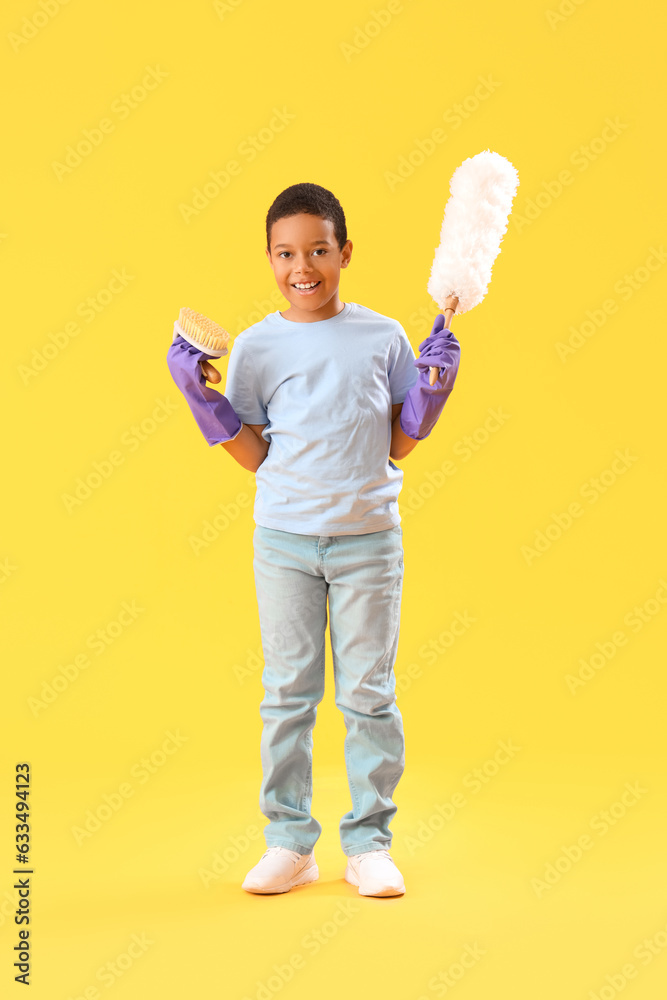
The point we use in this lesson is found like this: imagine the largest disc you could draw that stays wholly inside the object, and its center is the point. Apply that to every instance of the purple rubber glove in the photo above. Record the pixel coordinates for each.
(424, 403)
(217, 419)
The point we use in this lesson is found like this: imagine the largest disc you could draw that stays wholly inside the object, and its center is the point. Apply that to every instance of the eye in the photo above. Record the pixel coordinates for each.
(317, 250)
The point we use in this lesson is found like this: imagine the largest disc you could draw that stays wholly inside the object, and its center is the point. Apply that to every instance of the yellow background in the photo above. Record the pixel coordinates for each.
(361, 99)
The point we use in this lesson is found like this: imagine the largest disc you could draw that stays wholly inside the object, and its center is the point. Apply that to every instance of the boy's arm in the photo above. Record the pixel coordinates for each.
(249, 447)
(218, 421)
(424, 402)
(401, 444)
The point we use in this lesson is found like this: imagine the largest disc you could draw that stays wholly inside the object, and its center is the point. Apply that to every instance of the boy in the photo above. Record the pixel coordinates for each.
(318, 401)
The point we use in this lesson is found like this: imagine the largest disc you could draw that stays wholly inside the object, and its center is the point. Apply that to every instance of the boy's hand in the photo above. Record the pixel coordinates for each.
(424, 402)
(210, 373)
(215, 415)
(439, 350)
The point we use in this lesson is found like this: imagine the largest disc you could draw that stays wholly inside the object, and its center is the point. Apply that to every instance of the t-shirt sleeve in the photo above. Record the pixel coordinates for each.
(242, 387)
(402, 372)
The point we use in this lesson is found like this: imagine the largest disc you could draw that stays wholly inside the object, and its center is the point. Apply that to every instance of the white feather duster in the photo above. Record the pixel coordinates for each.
(481, 193)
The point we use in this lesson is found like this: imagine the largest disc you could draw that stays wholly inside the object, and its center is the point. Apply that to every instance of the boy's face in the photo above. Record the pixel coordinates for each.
(304, 250)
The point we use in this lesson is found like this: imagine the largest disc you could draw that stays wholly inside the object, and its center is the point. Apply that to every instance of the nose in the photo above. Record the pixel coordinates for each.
(302, 267)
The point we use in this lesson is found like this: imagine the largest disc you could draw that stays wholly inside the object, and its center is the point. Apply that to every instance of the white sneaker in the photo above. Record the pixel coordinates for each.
(375, 873)
(278, 870)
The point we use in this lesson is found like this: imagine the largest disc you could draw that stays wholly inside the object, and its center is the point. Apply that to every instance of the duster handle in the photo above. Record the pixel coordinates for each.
(433, 372)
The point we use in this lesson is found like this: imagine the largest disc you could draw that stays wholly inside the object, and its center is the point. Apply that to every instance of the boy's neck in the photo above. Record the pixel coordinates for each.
(328, 311)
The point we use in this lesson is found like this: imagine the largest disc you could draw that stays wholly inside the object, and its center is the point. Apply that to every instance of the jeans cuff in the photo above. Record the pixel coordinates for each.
(291, 846)
(371, 845)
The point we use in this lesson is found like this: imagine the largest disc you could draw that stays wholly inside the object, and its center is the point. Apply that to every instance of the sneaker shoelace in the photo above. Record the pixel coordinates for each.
(377, 854)
(275, 850)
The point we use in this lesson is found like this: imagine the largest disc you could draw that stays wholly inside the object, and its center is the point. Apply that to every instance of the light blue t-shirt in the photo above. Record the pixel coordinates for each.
(325, 391)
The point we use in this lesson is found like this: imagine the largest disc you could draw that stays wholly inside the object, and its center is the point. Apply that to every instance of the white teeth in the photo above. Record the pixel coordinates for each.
(310, 284)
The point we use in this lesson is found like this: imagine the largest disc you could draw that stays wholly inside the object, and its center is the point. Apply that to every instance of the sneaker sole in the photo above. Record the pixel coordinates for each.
(310, 874)
(353, 880)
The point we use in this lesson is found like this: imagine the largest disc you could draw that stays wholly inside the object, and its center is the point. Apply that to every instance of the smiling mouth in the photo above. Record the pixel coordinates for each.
(309, 290)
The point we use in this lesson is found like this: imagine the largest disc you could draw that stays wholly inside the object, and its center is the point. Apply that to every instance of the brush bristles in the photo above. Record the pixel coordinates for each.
(203, 330)
(481, 193)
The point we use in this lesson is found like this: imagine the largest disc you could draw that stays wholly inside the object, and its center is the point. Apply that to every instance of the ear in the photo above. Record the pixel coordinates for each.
(269, 256)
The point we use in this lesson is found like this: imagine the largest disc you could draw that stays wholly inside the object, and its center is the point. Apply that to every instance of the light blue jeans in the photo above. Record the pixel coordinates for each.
(362, 576)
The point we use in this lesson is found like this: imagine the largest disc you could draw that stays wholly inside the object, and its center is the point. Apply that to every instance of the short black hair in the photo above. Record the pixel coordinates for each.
(313, 200)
